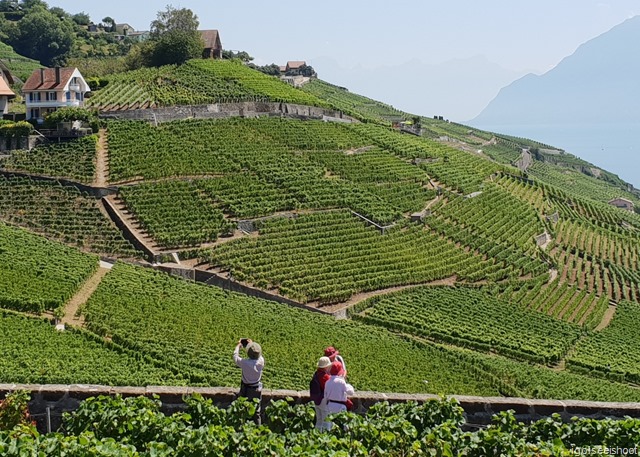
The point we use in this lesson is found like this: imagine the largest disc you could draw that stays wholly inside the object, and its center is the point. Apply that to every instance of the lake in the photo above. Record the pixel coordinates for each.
(614, 147)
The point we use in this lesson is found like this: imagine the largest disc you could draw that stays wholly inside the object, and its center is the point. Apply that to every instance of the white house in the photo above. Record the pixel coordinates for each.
(48, 89)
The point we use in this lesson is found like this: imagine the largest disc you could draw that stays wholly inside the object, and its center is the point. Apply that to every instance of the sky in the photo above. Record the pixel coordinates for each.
(343, 37)
(426, 57)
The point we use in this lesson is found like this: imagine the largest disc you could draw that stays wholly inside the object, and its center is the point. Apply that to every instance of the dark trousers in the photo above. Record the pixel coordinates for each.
(251, 391)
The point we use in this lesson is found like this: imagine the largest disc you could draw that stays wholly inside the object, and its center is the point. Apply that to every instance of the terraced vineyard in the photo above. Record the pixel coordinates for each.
(37, 275)
(353, 104)
(192, 329)
(614, 352)
(33, 352)
(61, 213)
(74, 160)
(340, 215)
(469, 317)
(196, 82)
(578, 183)
(330, 256)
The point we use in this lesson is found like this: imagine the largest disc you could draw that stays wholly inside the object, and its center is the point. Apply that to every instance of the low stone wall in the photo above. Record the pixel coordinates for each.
(49, 402)
(226, 110)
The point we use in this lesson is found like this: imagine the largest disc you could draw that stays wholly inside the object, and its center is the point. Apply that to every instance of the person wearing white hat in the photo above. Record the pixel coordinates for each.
(316, 390)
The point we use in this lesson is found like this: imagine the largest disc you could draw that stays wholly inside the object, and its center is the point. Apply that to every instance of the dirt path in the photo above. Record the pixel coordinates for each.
(606, 320)
(82, 296)
(102, 159)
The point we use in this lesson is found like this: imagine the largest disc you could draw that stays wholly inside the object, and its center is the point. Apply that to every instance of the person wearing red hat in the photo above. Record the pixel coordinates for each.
(336, 391)
(334, 355)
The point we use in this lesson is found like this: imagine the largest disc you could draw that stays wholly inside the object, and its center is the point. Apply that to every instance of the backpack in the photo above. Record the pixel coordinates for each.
(315, 390)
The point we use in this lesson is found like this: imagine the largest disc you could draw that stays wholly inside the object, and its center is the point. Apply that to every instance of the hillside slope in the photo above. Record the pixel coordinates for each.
(523, 261)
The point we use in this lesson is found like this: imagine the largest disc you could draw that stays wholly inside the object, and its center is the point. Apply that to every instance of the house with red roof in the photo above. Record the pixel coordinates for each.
(49, 89)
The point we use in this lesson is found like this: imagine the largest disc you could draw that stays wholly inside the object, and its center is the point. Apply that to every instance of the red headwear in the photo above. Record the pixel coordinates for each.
(331, 352)
(336, 369)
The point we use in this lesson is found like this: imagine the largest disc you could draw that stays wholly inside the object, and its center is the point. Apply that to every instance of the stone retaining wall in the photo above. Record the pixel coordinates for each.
(63, 398)
(226, 110)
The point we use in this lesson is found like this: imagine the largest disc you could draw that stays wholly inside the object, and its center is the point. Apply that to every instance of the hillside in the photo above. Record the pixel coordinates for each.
(20, 66)
(440, 248)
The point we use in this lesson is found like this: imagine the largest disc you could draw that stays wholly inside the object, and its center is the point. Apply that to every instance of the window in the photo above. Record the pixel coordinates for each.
(34, 96)
(52, 96)
(68, 96)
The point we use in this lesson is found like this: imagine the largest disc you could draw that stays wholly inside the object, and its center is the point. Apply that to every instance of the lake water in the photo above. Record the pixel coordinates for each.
(614, 147)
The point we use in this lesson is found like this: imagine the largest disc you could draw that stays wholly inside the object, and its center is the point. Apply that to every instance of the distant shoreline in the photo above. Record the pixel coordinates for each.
(614, 147)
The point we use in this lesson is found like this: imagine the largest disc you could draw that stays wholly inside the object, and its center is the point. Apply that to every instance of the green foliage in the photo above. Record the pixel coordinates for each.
(34, 352)
(14, 410)
(70, 114)
(175, 213)
(61, 213)
(196, 82)
(191, 328)
(175, 37)
(36, 274)
(42, 36)
(18, 129)
(329, 256)
(469, 317)
(20, 66)
(135, 427)
(72, 160)
(613, 352)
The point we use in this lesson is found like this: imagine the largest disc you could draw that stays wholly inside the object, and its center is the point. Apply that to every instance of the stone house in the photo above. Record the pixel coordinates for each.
(622, 203)
(212, 44)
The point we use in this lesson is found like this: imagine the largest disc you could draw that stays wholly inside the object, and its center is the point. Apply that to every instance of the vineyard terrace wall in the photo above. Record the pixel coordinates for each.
(57, 399)
(226, 110)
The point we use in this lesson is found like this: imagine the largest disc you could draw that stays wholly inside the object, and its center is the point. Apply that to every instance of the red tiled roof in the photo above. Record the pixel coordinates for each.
(210, 38)
(4, 88)
(45, 79)
(293, 64)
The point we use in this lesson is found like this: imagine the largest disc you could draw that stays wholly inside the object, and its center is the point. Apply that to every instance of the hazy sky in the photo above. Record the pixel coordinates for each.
(518, 35)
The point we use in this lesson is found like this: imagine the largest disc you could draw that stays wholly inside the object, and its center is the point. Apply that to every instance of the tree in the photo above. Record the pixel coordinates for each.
(175, 36)
(110, 22)
(43, 36)
(81, 18)
(241, 55)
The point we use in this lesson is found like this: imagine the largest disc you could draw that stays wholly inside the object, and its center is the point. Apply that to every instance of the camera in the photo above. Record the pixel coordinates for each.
(244, 342)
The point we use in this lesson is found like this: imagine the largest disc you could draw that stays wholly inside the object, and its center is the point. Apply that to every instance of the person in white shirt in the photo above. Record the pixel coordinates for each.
(336, 392)
(251, 383)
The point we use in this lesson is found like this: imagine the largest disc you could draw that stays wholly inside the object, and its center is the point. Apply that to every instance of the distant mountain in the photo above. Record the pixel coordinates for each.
(589, 104)
(597, 83)
(456, 89)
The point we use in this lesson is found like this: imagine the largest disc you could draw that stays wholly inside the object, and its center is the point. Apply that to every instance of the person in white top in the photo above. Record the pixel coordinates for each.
(336, 392)
(251, 383)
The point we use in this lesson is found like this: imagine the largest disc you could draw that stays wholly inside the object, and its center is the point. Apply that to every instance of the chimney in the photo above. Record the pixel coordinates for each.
(42, 76)
(57, 75)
